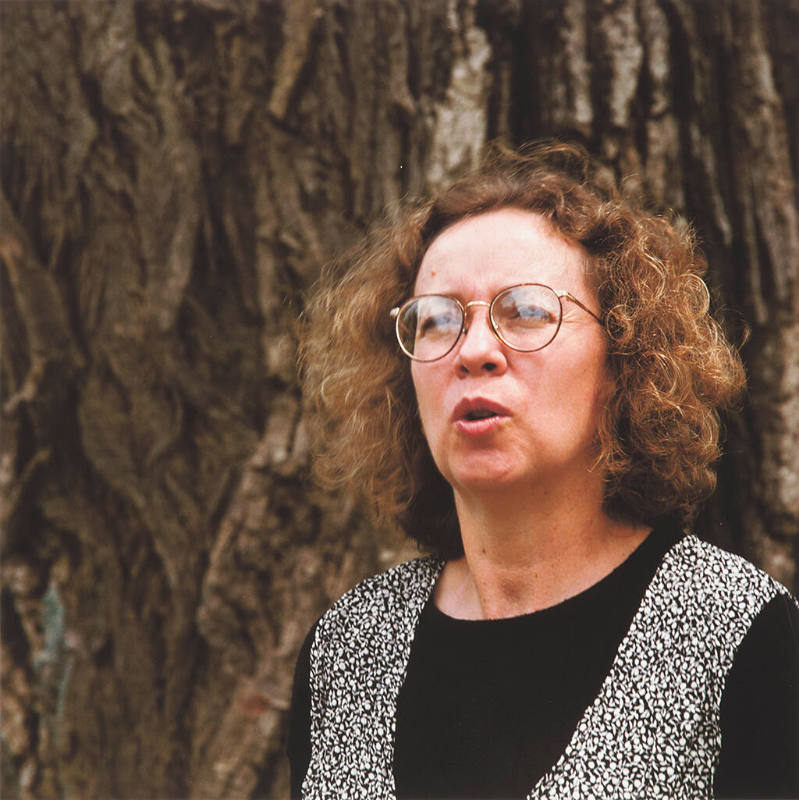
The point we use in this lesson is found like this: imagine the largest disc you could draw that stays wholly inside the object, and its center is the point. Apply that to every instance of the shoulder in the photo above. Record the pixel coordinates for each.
(718, 576)
(759, 714)
(767, 663)
(397, 583)
(366, 635)
(708, 598)
(404, 588)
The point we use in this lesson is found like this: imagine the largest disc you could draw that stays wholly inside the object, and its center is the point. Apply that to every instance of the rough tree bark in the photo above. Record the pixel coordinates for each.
(174, 175)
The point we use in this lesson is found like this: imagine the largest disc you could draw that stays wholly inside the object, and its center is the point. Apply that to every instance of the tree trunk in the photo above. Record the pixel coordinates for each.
(174, 176)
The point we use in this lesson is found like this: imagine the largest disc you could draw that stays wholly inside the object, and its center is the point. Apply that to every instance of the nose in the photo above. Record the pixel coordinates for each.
(479, 350)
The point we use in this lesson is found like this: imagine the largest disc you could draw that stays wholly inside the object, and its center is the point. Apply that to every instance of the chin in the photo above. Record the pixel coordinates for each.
(483, 478)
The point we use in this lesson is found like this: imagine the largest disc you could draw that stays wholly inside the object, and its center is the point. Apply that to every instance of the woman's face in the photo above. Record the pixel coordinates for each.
(546, 403)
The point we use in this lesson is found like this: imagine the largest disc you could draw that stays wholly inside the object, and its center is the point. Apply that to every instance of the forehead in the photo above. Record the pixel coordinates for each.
(482, 254)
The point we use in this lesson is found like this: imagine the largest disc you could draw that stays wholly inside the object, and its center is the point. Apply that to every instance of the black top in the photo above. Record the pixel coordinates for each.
(488, 706)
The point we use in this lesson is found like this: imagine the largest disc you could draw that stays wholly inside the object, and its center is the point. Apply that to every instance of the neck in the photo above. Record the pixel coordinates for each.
(528, 551)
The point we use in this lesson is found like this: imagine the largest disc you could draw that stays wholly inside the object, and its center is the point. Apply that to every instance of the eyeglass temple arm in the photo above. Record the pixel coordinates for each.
(394, 312)
(570, 296)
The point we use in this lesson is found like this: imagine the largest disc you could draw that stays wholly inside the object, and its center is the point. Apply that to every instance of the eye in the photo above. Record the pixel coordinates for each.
(523, 310)
(529, 314)
(440, 323)
(524, 316)
(428, 326)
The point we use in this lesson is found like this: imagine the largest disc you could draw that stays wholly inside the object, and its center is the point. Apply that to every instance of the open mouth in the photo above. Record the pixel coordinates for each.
(478, 415)
(471, 416)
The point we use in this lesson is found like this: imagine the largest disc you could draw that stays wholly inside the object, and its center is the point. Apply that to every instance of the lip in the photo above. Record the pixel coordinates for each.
(478, 427)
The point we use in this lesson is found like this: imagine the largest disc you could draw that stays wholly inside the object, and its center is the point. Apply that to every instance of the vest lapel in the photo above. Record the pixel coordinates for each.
(358, 664)
(653, 729)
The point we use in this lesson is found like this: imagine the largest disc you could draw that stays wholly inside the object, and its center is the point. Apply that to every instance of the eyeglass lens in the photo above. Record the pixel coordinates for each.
(524, 317)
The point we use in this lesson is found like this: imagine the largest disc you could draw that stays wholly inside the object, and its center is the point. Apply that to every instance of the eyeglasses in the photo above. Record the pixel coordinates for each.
(526, 318)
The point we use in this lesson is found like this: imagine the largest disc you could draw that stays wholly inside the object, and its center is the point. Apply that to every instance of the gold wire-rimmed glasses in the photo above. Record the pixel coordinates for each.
(525, 317)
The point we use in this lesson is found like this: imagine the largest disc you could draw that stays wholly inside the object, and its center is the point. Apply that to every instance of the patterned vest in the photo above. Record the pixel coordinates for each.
(652, 731)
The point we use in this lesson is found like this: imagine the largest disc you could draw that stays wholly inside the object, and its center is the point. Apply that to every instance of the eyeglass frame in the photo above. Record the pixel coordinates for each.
(561, 294)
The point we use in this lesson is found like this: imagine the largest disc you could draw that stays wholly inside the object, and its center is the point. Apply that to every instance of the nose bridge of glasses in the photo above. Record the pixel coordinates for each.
(468, 307)
(493, 333)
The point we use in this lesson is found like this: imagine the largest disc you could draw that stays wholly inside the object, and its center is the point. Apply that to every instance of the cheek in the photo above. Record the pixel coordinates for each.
(589, 385)
(420, 388)
(415, 378)
(427, 400)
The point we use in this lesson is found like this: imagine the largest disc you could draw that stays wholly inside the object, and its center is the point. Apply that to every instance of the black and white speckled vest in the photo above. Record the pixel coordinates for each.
(652, 731)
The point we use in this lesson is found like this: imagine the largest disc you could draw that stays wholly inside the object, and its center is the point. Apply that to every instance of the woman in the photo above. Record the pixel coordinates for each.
(523, 373)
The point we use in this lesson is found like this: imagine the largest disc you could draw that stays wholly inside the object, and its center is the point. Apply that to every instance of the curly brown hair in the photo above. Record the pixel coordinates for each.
(672, 368)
